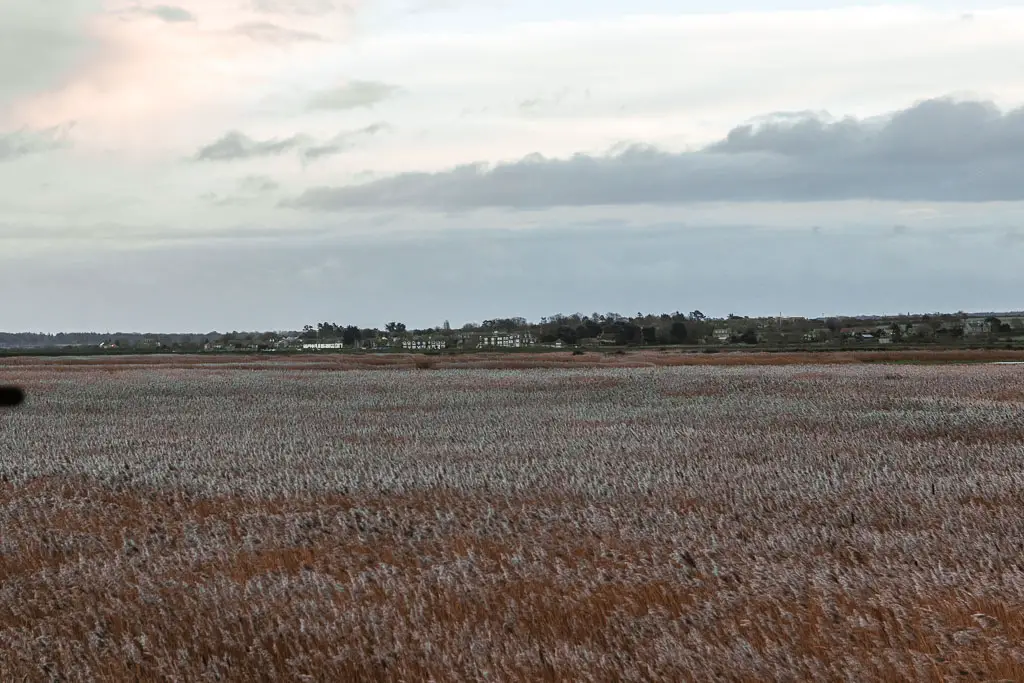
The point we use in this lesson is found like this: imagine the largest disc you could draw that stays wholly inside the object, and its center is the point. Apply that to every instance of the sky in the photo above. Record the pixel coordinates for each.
(199, 165)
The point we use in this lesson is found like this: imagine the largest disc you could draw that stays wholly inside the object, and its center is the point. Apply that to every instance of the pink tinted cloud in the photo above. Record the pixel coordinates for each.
(151, 80)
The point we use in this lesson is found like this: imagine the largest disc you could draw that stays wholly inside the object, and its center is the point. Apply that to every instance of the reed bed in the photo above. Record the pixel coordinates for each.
(805, 522)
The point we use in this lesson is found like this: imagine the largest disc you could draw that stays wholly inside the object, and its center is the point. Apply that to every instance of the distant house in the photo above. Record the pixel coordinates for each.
(424, 344)
(722, 334)
(864, 334)
(506, 340)
(818, 334)
(322, 346)
(976, 327)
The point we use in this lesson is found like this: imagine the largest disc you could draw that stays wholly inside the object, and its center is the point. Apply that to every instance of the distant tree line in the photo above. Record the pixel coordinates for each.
(678, 328)
(695, 327)
(28, 340)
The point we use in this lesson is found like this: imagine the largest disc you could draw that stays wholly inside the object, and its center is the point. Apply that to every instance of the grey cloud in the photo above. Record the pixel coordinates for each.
(353, 95)
(25, 142)
(342, 142)
(266, 32)
(937, 150)
(170, 13)
(235, 145)
(932, 132)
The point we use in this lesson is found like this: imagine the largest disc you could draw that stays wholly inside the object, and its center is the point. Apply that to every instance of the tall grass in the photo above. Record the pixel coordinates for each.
(789, 522)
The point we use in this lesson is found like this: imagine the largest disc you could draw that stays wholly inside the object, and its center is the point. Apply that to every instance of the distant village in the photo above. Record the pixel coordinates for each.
(576, 331)
(496, 340)
(611, 330)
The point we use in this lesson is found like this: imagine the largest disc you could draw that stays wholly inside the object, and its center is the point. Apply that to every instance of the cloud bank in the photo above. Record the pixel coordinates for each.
(937, 150)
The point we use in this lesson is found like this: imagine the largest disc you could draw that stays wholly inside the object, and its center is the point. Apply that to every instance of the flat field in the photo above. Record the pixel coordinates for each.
(295, 520)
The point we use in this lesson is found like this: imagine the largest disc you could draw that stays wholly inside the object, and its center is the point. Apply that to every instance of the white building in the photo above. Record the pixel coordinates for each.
(424, 344)
(505, 340)
(976, 327)
(322, 346)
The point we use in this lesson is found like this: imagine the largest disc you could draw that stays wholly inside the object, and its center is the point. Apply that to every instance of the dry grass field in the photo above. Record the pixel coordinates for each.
(248, 519)
(518, 360)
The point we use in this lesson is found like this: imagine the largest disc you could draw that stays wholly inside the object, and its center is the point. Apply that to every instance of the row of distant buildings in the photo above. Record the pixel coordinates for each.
(789, 330)
(488, 340)
(492, 340)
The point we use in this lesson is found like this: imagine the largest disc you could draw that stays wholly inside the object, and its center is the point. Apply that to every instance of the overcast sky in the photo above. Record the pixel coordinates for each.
(197, 165)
